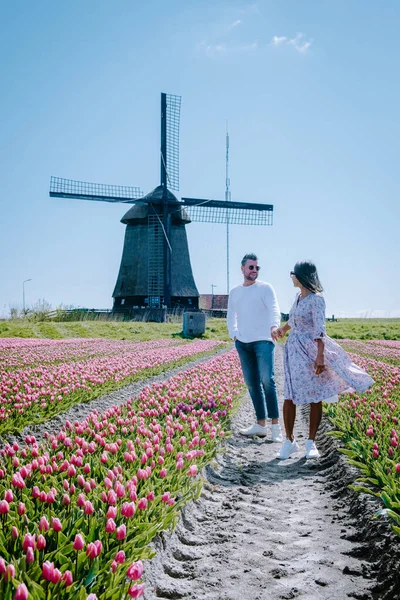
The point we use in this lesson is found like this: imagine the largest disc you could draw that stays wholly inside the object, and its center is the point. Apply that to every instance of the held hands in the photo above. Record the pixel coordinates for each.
(319, 365)
(277, 332)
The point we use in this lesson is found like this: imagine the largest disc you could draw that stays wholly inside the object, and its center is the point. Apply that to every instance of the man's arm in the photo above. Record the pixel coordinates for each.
(271, 302)
(232, 318)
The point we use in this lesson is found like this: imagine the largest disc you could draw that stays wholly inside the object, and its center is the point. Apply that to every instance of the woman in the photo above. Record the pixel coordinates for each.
(316, 368)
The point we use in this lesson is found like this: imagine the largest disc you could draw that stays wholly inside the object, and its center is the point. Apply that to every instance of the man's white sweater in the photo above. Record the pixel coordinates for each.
(252, 311)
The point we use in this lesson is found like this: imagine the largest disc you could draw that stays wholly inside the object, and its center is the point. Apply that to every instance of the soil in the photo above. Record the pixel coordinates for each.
(265, 529)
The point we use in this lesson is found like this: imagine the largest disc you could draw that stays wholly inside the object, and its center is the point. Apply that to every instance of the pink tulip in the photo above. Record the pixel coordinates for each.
(3, 567)
(14, 532)
(43, 524)
(91, 550)
(120, 557)
(71, 471)
(136, 591)
(192, 470)
(111, 512)
(4, 507)
(56, 576)
(48, 570)
(79, 542)
(110, 526)
(135, 571)
(89, 509)
(99, 546)
(86, 469)
(128, 509)
(57, 525)
(29, 541)
(21, 509)
(163, 473)
(41, 542)
(111, 497)
(21, 592)
(30, 556)
(121, 532)
(142, 504)
(67, 578)
(92, 597)
(10, 572)
(150, 496)
(8, 496)
(114, 566)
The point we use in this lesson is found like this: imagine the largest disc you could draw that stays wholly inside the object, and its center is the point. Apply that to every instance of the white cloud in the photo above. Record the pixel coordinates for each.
(298, 42)
(235, 24)
(276, 40)
(212, 50)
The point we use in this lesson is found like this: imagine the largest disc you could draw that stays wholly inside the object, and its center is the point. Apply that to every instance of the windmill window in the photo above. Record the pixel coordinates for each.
(122, 301)
(122, 285)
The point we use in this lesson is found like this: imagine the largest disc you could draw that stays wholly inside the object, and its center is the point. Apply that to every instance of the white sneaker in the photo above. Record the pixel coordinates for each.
(311, 450)
(287, 449)
(255, 429)
(276, 432)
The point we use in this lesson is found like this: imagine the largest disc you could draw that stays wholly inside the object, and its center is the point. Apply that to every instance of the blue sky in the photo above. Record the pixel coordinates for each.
(311, 93)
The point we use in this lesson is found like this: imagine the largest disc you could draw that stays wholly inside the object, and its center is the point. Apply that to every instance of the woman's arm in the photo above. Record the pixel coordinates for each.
(320, 361)
(282, 331)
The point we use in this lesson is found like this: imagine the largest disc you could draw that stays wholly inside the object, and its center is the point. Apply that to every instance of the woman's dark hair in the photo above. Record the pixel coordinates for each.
(306, 273)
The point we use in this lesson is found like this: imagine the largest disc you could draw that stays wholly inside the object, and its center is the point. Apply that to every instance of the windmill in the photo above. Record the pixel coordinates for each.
(155, 267)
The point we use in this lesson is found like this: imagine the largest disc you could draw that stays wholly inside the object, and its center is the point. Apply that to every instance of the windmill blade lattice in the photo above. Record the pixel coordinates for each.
(221, 211)
(82, 190)
(173, 114)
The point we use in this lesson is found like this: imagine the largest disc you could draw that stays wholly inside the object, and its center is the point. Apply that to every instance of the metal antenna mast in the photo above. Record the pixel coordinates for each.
(227, 199)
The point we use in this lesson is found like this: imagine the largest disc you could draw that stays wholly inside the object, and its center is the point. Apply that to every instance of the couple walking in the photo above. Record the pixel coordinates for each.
(316, 368)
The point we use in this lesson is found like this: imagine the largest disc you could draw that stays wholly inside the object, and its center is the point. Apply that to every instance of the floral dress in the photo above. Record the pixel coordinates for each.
(302, 385)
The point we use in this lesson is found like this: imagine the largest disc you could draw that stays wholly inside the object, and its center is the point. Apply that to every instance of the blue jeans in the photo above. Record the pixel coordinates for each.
(257, 360)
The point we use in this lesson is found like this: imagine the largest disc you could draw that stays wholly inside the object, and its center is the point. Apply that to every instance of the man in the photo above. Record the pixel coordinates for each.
(253, 321)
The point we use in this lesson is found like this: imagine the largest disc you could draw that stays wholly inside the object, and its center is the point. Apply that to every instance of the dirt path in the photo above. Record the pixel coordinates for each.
(268, 529)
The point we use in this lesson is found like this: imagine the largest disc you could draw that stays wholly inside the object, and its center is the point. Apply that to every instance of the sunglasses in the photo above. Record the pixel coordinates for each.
(252, 267)
(292, 273)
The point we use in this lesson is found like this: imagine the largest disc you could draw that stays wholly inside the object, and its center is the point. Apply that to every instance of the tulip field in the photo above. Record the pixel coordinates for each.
(79, 509)
(369, 423)
(42, 378)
